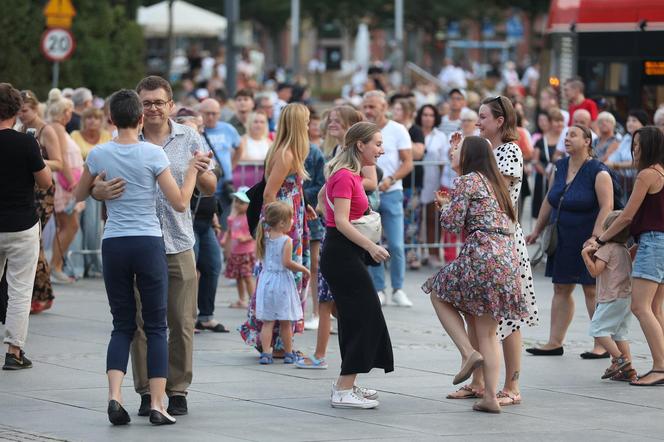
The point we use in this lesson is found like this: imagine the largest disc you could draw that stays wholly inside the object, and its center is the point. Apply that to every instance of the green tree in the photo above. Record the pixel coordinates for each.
(109, 54)
(21, 63)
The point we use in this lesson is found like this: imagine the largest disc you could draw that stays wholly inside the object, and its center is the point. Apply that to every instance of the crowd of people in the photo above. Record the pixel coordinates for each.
(296, 202)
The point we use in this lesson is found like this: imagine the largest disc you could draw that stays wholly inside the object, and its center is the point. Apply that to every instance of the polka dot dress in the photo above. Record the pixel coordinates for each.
(510, 163)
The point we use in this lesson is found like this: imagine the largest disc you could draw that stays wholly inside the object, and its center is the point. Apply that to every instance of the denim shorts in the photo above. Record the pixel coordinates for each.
(612, 319)
(649, 263)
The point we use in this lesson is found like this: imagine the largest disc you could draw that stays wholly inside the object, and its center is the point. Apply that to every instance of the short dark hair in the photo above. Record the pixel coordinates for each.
(281, 86)
(154, 82)
(436, 115)
(126, 108)
(10, 101)
(244, 93)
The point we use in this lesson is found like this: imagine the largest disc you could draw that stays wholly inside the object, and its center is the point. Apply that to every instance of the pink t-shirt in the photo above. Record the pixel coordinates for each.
(239, 228)
(346, 184)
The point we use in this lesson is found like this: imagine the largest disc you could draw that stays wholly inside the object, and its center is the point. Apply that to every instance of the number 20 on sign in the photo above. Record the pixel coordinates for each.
(57, 44)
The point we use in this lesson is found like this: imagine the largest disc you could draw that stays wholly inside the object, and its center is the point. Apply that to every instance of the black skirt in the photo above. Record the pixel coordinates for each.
(363, 337)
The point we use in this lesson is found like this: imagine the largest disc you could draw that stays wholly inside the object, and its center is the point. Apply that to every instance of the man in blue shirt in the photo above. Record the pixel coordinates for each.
(224, 140)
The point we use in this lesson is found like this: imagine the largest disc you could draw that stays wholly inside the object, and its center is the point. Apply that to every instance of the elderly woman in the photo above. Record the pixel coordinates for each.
(580, 197)
(469, 123)
(91, 134)
(608, 140)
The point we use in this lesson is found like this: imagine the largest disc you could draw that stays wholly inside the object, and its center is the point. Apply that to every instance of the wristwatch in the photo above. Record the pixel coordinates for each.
(392, 180)
(599, 241)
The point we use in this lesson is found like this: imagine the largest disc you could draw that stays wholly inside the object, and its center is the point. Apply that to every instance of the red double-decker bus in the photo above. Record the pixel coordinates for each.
(616, 46)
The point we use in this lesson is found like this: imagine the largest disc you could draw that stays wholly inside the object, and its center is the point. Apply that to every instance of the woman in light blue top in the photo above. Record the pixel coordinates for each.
(133, 248)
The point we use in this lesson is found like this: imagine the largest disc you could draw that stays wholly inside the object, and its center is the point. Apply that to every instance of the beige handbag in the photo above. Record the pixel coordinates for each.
(368, 225)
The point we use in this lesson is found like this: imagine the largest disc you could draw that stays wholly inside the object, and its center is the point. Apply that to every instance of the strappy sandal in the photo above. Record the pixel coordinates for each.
(265, 359)
(617, 365)
(311, 363)
(505, 398)
(636, 383)
(628, 375)
(471, 394)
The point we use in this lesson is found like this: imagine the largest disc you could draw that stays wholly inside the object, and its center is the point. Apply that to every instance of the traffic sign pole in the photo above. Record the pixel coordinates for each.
(56, 74)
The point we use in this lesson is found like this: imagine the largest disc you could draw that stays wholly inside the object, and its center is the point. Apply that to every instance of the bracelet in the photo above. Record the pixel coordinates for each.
(599, 241)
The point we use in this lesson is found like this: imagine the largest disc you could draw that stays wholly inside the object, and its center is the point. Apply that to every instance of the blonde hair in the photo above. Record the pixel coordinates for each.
(349, 157)
(56, 105)
(91, 112)
(250, 121)
(274, 214)
(292, 134)
(348, 117)
(621, 237)
(607, 116)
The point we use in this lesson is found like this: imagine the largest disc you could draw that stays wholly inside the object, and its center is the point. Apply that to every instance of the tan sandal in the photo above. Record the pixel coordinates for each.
(505, 398)
(475, 360)
(471, 394)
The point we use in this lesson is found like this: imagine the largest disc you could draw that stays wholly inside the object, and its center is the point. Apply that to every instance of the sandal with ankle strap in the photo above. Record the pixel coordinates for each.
(471, 394)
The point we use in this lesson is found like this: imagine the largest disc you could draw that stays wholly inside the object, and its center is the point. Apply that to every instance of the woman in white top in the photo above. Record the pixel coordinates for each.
(436, 148)
(254, 144)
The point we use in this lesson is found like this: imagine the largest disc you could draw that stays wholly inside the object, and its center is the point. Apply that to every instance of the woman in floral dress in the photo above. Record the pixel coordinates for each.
(482, 283)
(284, 175)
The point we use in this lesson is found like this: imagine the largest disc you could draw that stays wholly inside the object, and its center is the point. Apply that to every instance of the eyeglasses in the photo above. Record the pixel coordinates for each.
(498, 98)
(158, 104)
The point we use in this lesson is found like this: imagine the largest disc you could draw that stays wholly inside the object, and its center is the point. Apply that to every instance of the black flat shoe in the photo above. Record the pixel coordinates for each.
(116, 414)
(591, 355)
(219, 328)
(156, 418)
(144, 409)
(558, 351)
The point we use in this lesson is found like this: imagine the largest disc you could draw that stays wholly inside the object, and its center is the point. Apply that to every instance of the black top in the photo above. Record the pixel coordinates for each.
(203, 208)
(74, 123)
(20, 159)
(416, 136)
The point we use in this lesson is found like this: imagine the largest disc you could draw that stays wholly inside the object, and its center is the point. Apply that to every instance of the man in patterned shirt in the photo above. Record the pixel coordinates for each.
(180, 143)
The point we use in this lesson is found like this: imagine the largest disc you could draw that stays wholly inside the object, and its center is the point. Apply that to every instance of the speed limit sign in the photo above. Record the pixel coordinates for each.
(57, 44)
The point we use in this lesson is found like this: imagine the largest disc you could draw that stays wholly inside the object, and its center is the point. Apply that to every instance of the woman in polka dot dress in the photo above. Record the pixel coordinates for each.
(497, 123)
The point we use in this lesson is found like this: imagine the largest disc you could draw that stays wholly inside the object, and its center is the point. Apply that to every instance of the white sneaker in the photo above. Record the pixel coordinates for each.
(311, 324)
(381, 297)
(400, 298)
(350, 399)
(366, 393)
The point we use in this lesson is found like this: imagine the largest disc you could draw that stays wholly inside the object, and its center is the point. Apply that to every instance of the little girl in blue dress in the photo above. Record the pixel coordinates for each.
(277, 297)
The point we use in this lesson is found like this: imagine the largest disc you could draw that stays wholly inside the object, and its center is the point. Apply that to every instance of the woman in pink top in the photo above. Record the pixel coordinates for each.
(363, 336)
(241, 263)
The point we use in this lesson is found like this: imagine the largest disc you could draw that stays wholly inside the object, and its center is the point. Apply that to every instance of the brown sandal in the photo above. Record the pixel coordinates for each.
(471, 394)
(505, 398)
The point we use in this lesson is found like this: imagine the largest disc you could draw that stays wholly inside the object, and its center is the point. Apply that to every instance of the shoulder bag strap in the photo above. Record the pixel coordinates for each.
(567, 186)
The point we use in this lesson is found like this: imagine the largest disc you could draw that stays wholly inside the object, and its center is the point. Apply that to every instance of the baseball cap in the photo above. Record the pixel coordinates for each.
(241, 194)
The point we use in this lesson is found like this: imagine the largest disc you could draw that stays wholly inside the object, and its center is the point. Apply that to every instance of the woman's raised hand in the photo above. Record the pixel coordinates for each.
(442, 198)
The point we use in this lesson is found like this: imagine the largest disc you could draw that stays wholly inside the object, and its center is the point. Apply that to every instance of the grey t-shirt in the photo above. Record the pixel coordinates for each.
(133, 214)
(177, 227)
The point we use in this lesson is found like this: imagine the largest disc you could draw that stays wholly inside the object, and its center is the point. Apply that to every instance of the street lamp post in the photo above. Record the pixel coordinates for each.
(398, 34)
(295, 36)
(232, 11)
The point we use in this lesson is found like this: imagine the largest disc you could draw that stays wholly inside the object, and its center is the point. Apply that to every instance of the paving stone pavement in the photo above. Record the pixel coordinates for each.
(232, 398)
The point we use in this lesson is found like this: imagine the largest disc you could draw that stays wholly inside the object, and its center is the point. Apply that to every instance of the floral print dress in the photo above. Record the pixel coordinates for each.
(291, 191)
(483, 279)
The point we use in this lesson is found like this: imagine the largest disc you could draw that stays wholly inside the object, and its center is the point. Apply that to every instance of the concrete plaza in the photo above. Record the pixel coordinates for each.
(63, 397)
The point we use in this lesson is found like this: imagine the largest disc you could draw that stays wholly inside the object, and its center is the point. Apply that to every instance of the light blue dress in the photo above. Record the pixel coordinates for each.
(276, 295)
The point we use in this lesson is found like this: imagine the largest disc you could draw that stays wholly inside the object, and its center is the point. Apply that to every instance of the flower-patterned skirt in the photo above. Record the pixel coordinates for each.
(484, 279)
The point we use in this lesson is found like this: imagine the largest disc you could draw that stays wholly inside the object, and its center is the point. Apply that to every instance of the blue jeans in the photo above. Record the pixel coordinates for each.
(391, 214)
(208, 263)
(142, 258)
